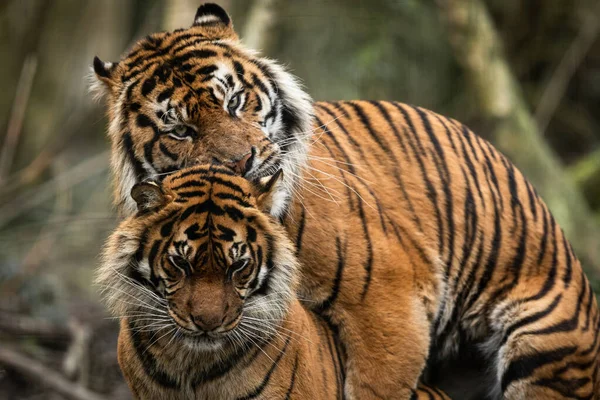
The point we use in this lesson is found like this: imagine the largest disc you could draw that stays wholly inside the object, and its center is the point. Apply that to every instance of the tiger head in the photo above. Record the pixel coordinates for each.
(201, 259)
(195, 96)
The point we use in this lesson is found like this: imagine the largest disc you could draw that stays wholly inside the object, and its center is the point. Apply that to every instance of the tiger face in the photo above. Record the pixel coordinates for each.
(195, 96)
(202, 255)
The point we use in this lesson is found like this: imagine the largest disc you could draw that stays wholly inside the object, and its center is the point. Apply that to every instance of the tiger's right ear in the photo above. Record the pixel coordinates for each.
(105, 77)
(265, 191)
(149, 197)
(215, 22)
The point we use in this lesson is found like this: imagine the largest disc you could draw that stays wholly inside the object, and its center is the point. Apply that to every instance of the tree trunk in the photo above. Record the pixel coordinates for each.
(478, 50)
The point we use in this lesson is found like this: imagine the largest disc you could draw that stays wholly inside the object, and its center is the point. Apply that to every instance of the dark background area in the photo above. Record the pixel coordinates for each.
(523, 74)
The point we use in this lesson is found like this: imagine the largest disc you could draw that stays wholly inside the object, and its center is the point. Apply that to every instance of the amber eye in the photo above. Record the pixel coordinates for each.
(179, 262)
(234, 103)
(238, 268)
(182, 132)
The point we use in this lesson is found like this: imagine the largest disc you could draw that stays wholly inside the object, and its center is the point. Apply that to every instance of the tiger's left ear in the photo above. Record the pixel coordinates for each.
(104, 78)
(215, 22)
(149, 197)
(265, 191)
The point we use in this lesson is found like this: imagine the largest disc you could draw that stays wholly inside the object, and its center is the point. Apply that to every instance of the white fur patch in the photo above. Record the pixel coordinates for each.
(206, 19)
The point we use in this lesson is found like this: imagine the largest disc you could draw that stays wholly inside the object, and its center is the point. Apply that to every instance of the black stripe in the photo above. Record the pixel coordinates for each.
(492, 258)
(300, 231)
(544, 241)
(140, 172)
(261, 387)
(189, 184)
(167, 152)
(337, 144)
(355, 145)
(419, 151)
(364, 119)
(201, 170)
(195, 193)
(532, 201)
(386, 116)
(346, 184)
(523, 367)
(569, 266)
(398, 177)
(566, 387)
(237, 199)
(165, 94)
(590, 302)
(566, 325)
(226, 364)
(288, 394)
(551, 275)
(531, 319)
(368, 265)
(143, 121)
(516, 264)
(446, 186)
(148, 86)
(153, 371)
(196, 54)
(335, 288)
(470, 165)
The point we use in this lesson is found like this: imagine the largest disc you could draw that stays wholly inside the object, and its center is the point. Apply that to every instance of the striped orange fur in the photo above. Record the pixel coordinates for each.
(395, 212)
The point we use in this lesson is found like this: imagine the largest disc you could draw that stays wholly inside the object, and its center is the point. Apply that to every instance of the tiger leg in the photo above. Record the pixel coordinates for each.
(385, 352)
(424, 392)
(547, 348)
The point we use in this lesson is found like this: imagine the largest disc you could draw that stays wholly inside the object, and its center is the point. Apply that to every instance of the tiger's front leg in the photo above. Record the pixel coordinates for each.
(386, 342)
(385, 356)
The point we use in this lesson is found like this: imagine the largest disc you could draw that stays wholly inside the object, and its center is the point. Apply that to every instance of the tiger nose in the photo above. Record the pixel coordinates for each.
(244, 164)
(207, 323)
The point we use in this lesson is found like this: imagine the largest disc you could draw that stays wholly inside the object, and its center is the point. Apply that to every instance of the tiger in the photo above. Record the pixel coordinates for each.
(204, 281)
(394, 210)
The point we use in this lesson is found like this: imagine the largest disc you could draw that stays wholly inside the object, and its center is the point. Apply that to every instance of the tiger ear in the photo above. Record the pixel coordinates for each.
(214, 21)
(265, 191)
(149, 197)
(104, 77)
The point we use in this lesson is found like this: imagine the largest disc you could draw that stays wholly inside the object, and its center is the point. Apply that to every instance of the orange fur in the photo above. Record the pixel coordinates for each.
(279, 351)
(398, 214)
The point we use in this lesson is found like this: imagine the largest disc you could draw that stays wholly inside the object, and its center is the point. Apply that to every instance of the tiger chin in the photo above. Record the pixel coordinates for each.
(204, 283)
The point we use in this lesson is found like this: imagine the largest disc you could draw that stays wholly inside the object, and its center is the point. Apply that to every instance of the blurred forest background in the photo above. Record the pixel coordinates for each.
(523, 74)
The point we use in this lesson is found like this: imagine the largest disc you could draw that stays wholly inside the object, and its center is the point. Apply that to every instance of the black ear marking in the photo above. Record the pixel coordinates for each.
(149, 196)
(209, 14)
(272, 181)
(265, 191)
(103, 69)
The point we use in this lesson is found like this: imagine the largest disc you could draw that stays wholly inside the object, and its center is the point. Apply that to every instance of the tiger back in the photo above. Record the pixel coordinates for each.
(395, 212)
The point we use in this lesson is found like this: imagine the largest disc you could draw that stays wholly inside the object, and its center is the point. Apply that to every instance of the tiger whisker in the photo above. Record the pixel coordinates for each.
(346, 185)
(268, 324)
(140, 303)
(157, 339)
(249, 337)
(136, 285)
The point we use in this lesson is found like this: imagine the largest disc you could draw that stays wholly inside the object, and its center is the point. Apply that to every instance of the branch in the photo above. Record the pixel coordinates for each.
(47, 377)
(19, 325)
(35, 196)
(17, 115)
(258, 25)
(572, 59)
